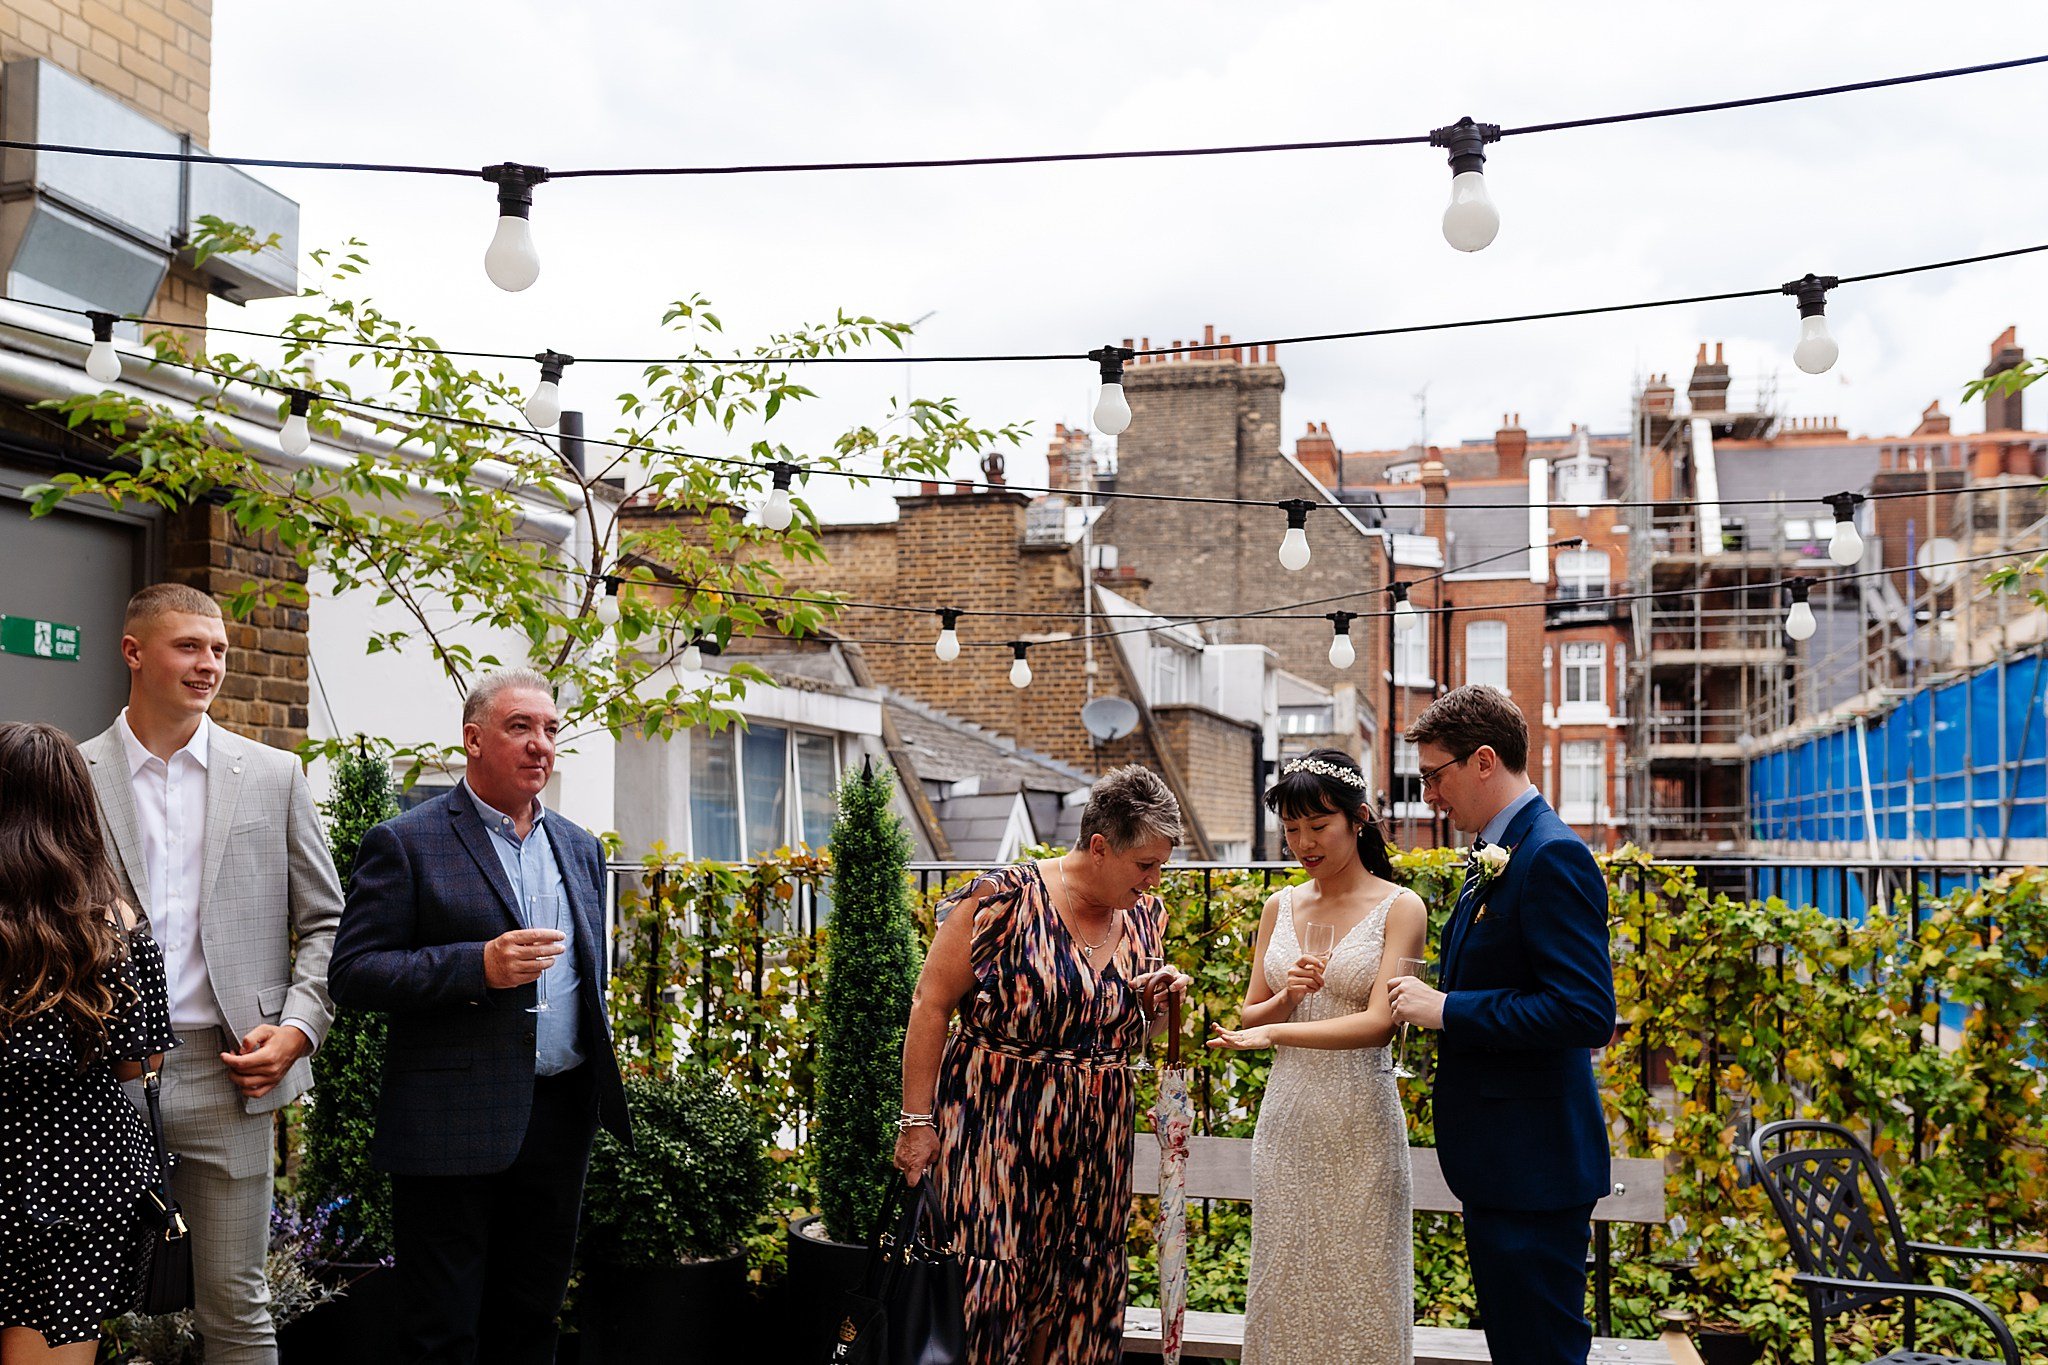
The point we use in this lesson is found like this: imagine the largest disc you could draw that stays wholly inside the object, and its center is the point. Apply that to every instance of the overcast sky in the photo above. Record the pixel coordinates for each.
(1066, 257)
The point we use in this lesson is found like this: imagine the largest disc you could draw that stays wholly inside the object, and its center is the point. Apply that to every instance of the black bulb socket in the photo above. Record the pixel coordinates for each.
(1112, 359)
(1466, 141)
(1297, 510)
(552, 363)
(515, 187)
(1811, 291)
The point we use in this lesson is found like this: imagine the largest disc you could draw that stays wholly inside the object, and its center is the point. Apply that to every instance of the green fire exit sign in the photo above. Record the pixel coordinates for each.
(38, 639)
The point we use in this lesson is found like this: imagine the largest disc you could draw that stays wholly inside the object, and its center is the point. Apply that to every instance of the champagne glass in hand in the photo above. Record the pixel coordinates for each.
(545, 913)
(1150, 965)
(1318, 940)
(1421, 971)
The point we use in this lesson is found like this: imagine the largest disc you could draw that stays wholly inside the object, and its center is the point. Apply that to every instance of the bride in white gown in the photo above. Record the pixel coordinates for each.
(1332, 1261)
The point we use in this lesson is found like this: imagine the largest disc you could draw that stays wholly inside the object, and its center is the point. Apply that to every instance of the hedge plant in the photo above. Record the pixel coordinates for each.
(348, 1070)
(692, 1184)
(872, 958)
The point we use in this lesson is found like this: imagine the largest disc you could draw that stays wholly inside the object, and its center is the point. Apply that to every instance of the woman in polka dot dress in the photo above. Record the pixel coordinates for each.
(82, 1008)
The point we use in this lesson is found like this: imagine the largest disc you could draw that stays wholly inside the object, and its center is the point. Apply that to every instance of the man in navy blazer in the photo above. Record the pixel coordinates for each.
(476, 921)
(1527, 995)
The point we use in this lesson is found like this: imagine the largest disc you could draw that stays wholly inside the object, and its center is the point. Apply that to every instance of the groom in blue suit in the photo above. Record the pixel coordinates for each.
(1527, 995)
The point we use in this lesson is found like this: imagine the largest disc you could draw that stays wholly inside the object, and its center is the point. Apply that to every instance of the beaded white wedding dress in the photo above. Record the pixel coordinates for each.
(1333, 1263)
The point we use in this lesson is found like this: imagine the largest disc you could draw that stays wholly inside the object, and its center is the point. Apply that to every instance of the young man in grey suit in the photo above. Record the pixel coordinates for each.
(219, 846)
(476, 921)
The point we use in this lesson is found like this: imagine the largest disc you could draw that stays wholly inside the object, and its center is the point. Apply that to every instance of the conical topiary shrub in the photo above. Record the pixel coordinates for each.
(871, 964)
(349, 1068)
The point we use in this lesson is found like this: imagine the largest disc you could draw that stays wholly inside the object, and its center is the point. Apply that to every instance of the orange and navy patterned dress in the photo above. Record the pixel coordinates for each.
(1035, 1111)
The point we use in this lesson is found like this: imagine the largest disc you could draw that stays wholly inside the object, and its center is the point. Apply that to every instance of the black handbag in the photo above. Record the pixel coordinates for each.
(167, 1281)
(911, 1308)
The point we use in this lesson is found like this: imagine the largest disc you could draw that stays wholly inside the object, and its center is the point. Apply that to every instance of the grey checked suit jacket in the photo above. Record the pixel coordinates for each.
(267, 879)
(428, 893)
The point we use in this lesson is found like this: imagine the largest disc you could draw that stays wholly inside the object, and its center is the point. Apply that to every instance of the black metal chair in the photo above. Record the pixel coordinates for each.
(1847, 1259)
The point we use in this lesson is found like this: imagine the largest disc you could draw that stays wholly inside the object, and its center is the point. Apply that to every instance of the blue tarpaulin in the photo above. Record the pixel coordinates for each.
(1948, 762)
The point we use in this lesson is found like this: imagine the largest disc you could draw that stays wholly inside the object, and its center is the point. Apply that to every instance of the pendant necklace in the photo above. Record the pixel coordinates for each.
(1087, 948)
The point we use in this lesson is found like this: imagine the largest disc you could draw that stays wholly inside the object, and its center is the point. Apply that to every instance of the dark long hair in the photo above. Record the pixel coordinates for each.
(58, 943)
(1303, 794)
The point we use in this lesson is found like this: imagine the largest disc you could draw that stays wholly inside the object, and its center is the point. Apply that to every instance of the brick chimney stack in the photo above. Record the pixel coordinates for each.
(1511, 446)
(1708, 390)
(1317, 452)
(1070, 459)
(1660, 401)
(2002, 410)
(1435, 494)
(1933, 422)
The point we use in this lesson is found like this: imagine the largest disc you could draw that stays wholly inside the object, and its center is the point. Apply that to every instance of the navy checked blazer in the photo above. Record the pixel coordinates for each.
(1531, 993)
(428, 893)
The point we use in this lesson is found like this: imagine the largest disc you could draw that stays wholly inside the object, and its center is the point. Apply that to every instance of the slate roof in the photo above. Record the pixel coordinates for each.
(1803, 474)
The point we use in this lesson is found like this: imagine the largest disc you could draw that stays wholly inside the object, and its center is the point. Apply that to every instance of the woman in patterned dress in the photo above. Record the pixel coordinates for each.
(82, 1008)
(1332, 1265)
(1027, 1110)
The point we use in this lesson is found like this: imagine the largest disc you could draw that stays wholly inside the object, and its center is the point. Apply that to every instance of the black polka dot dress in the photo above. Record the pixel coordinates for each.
(75, 1158)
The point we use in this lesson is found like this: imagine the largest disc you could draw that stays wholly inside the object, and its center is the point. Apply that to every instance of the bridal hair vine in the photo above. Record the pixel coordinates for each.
(1322, 769)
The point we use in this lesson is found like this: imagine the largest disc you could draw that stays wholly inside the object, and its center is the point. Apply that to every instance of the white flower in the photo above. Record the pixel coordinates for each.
(1491, 861)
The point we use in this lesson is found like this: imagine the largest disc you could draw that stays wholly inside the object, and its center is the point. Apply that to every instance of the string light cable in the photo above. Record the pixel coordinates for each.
(535, 175)
(1111, 365)
(295, 438)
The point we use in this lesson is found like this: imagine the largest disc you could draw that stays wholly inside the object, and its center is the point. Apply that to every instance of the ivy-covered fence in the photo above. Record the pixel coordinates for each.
(1734, 1012)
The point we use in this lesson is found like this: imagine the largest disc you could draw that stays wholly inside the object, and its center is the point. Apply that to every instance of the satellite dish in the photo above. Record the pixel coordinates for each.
(1937, 559)
(1109, 718)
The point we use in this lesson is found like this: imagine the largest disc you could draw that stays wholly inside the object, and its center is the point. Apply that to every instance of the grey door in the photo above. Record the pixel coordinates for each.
(78, 569)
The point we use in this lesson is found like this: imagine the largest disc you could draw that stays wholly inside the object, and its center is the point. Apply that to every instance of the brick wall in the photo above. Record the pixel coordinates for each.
(155, 56)
(1215, 755)
(966, 550)
(266, 693)
(1211, 427)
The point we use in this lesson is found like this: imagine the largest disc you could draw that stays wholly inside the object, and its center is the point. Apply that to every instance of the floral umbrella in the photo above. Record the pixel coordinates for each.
(1173, 1119)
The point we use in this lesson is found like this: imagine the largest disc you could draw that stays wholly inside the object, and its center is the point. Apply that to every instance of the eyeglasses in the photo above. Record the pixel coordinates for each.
(1431, 775)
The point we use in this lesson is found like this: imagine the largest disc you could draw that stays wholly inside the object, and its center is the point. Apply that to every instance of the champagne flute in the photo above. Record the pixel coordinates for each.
(1318, 940)
(1152, 964)
(1421, 971)
(545, 913)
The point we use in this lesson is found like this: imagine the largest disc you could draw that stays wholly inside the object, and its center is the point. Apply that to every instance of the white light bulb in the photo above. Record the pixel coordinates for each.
(1471, 221)
(1799, 622)
(544, 405)
(608, 609)
(1342, 655)
(1294, 550)
(295, 437)
(1020, 673)
(1816, 350)
(948, 646)
(510, 260)
(693, 657)
(1112, 411)
(777, 513)
(103, 362)
(1845, 546)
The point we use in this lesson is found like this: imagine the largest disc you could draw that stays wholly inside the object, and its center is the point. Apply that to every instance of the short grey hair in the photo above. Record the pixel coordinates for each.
(477, 704)
(1130, 806)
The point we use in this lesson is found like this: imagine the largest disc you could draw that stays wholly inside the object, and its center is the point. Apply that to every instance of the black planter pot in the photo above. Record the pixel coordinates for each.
(671, 1315)
(363, 1324)
(1727, 1348)
(820, 1271)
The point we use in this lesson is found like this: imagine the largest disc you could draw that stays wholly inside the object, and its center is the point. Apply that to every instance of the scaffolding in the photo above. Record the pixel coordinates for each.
(1744, 738)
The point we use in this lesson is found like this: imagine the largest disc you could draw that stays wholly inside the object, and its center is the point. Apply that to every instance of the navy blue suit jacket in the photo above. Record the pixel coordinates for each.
(428, 893)
(1531, 993)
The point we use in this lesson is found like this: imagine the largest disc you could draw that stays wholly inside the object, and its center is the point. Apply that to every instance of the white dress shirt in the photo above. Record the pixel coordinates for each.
(170, 817)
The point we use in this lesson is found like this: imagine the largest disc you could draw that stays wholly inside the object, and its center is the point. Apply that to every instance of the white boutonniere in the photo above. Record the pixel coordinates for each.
(1489, 861)
(1486, 863)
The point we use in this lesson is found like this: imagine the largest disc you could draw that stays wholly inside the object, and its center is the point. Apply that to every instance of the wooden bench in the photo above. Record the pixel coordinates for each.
(1221, 1168)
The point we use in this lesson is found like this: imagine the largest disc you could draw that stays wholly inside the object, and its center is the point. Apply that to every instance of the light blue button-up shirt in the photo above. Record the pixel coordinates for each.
(530, 866)
(1497, 828)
